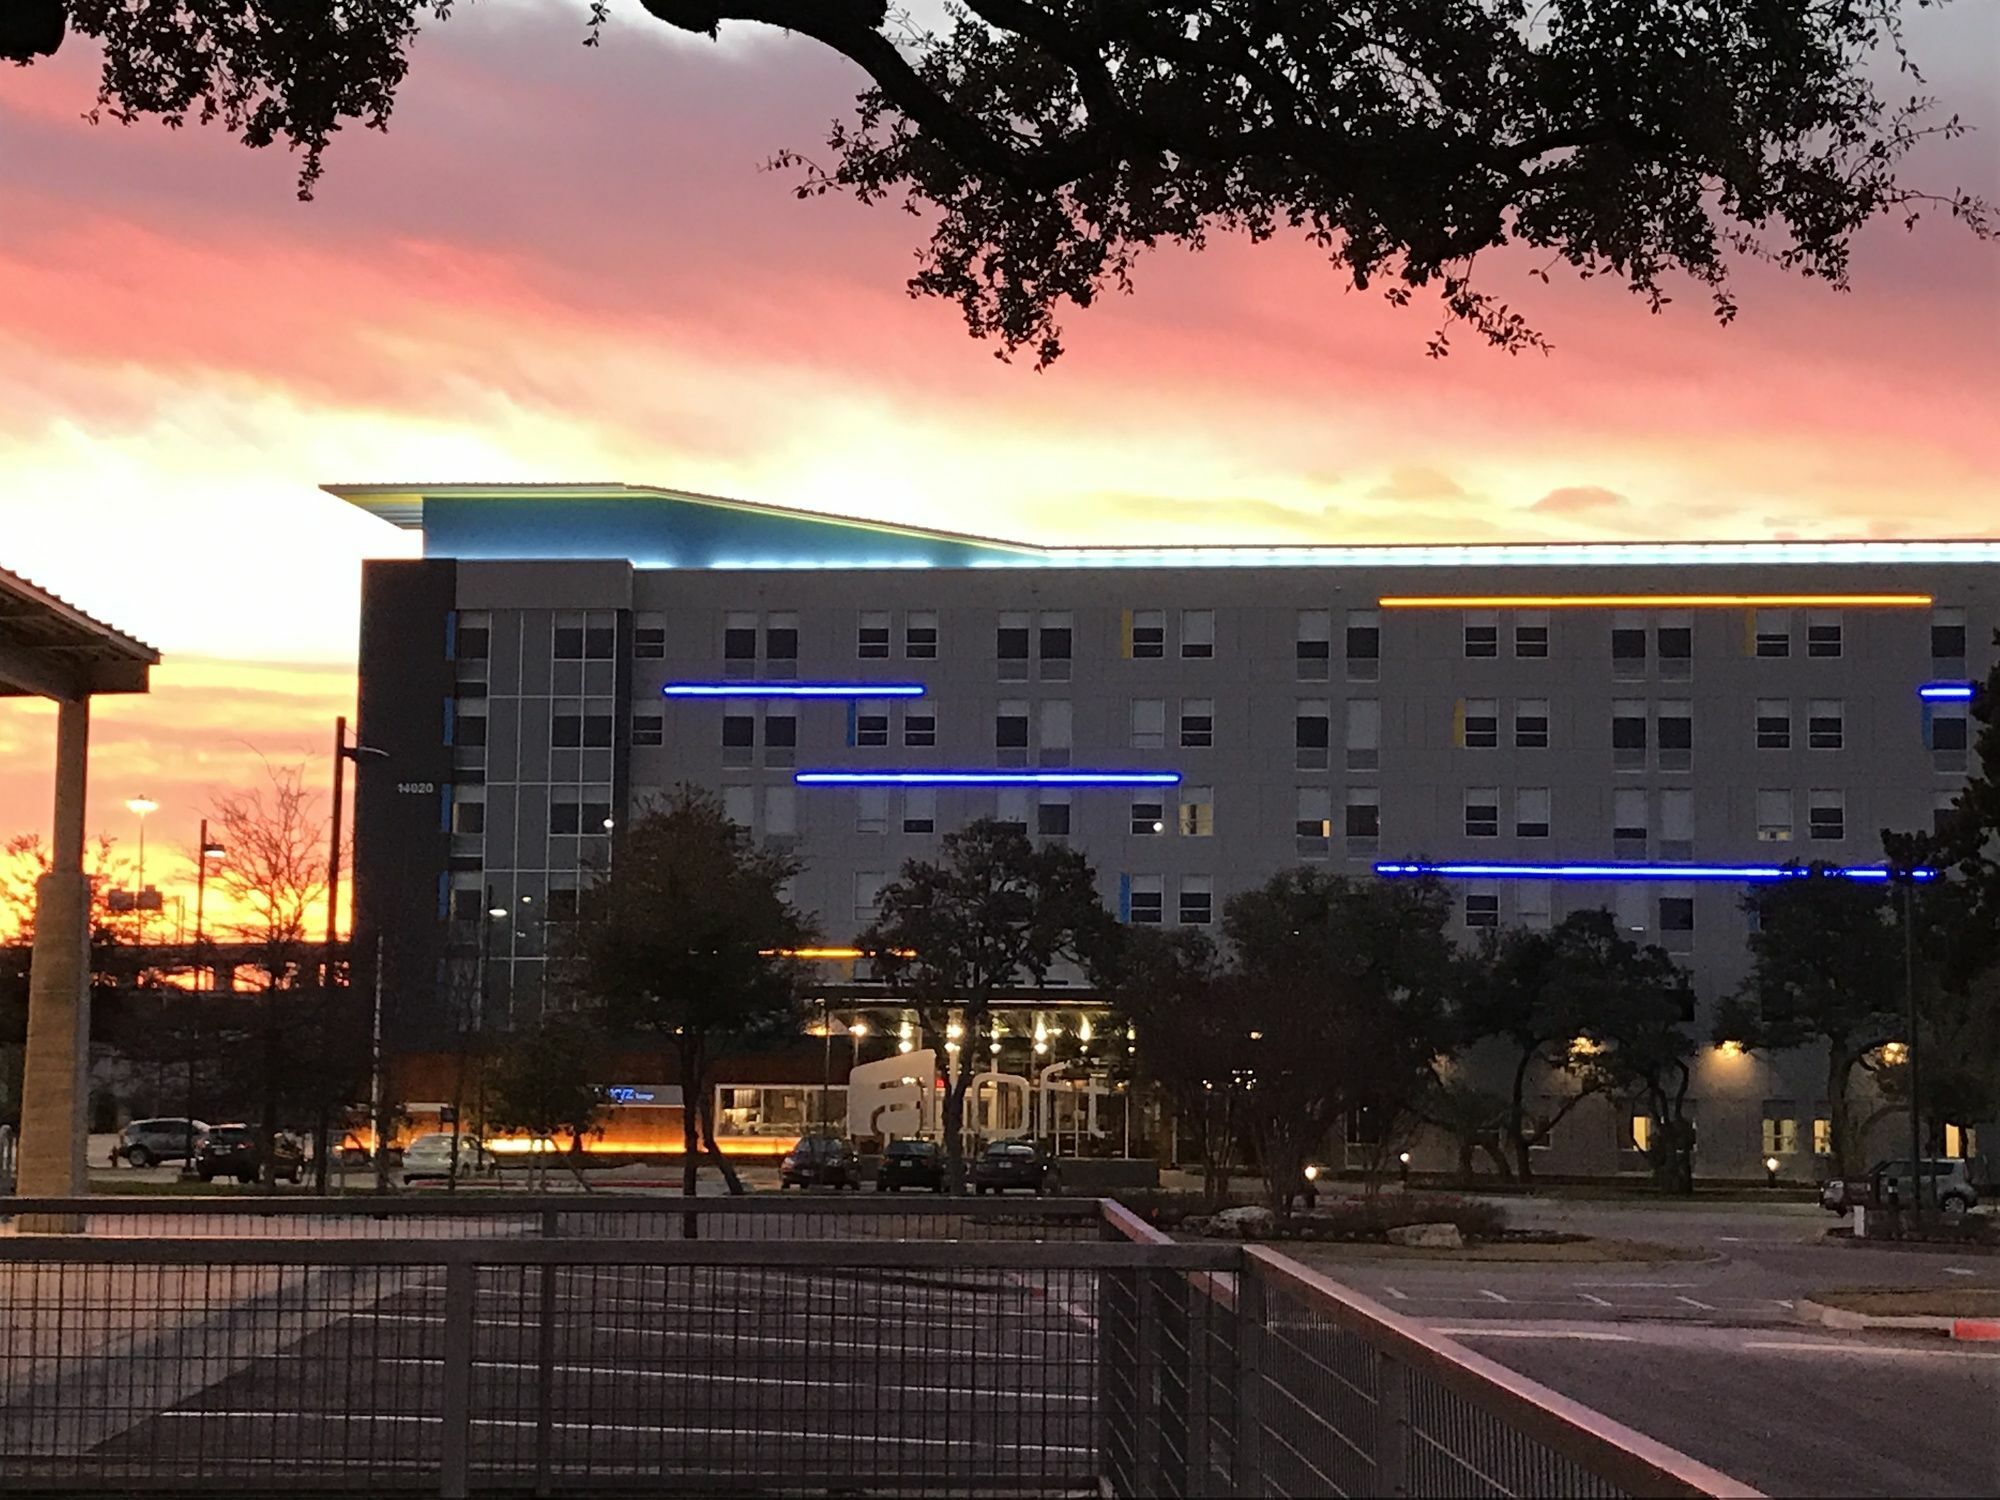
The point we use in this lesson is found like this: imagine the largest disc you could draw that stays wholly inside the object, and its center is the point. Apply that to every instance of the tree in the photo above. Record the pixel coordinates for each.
(1051, 142)
(546, 1083)
(1648, 1053)
(1545, 995)
(1476, 1119)
(1166, 988)
(1340, 990)
(994, 913)
(685, 939)
(1826, 967)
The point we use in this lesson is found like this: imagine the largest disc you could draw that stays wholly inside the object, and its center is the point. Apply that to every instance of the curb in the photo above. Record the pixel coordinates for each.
(1962, 1330)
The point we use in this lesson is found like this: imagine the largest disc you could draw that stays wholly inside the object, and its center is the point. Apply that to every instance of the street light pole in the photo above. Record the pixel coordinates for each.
(204, 852)
(139, 806)
(1910, 1048)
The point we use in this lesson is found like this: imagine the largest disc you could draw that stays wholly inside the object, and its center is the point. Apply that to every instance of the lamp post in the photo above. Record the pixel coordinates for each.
(206, 850)
(342, 754)
(139, 807)
(1909, 883)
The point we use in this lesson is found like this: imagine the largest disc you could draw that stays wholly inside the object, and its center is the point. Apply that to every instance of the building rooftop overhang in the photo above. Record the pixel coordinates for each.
(51, 649)
(661, 528)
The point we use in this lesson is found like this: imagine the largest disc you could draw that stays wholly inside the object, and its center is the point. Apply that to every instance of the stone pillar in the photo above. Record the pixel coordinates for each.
(55, 1092)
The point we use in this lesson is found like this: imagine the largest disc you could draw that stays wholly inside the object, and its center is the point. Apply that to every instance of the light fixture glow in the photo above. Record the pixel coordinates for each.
(793, 690)
(1635, 871)
(987, 778)
(1950, 692)
(1654, 601)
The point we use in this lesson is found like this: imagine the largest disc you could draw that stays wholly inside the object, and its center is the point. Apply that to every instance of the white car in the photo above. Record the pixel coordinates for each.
(428, 1158)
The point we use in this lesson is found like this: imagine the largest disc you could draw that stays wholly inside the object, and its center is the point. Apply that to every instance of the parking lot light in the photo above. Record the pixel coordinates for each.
(1771, 1169)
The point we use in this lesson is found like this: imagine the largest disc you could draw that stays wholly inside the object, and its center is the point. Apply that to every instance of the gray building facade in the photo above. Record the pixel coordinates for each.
(1643, 729)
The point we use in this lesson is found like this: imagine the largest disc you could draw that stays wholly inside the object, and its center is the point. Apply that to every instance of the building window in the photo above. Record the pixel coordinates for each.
(1054, 640)
(1197, 723)
(472, 640)
(600, 642)
(568, 643)
(1773, 632)
(781, 811)
(1197, 632)
(1677, 823)
(920, 728)
(1823, 1136)
(920, 635)
(1146, 901)
(871, 640)
(1628, 645)
(649, 642)
(1010, 639)
(1781, 1127)
(1531, 724)
(1826, 815)
(1823, 633)
(1149, 634)
(1311, 734)
(1197, 811)
(1482, 908)
(1531, 812)
(1312, 826)
(1197, 905)
(1944, 811)
(468, 903)
(1774, 724)
(739, 638)
(1673, 642)
(920, 809)
(781, 738)
(1364, 813)
(1149, 723)
(1628, 734)
(1313, 650)
(867, 895)
(1010, 725)
(1774, 815)
(1676, 735)
(1482, 724)
(1676, 914)
(1531, 634)
(739, 805)
(1013, 807)
(1826, 727)
(871, 721)
(649, 730)
(1949, 732)
(1052, 814)
(781, 638)
(1364, 734)
(1630, 824)
(871, 810)
(1054, 732)
(1482, 633)
(739, 737)
(1947, 635)
(1482, 812)
(468, 729)
(468, 815)
(1364, 644)
(1149, 818)
(1534, 904)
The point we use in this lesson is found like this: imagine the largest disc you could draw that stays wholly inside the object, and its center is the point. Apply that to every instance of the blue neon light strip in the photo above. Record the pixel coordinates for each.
(1648, 872)
(1959, 692)
(793, 690)
(987, 778)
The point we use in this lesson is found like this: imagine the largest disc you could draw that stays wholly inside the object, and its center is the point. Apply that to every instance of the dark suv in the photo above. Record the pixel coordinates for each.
(146, 1143)
(232, 1151)
(911, 1164)
(1013, 1164)
(822, 1159)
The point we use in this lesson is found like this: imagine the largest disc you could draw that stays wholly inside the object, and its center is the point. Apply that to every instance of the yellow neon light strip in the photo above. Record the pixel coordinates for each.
(1654, 601)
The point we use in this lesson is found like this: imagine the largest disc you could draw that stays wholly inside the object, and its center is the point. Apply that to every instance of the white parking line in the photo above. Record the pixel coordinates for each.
(1655, 1286)
(1399, 1296)
(1693, 1302)
(1586, 1335)
(1495, 1296)
(1598, 1300)
(720, 1336)
(1959, 1271)
(625, 1372)
(1869, 1351)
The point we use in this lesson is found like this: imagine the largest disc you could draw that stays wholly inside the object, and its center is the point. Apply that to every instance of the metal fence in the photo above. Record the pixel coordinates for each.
(970, 1346)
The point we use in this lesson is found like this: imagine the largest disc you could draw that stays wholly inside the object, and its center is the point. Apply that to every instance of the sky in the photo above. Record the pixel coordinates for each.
(567, 264)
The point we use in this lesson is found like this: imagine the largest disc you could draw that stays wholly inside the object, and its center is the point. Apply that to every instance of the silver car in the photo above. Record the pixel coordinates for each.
(1947, 1184)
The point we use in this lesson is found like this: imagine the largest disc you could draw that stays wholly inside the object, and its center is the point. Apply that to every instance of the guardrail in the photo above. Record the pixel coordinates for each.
(1044, 1346)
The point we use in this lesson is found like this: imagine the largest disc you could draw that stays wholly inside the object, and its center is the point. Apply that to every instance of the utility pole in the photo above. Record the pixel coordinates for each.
(204, 852)
(377, 1103)
(1910, 1046)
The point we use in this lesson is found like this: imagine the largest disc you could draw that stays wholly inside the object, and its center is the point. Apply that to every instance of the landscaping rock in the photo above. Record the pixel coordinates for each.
(1428, 1237)
(1252, 1221)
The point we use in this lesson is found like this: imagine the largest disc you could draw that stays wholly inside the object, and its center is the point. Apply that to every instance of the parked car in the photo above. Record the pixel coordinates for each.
(1947, 1184)
(1014, 1164)
(145, 1143)
(428, 1158)
(233, 1151)
(912, 1164)
(824, 1159)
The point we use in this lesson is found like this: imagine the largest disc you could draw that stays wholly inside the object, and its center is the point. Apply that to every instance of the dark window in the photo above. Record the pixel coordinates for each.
(919, 823)
(569, 643)
(1774, 643)
(1635, 831)
(1943, 819)
(1149, 817)
(1947, 641)
(1364, 642)
(1823, 640)
(1677, 914)
(469, 817)
(1011, 643)
(562, 905)
(1147, 907)
(597, 731)
(596, 817)
(1197, 908)
(1531, 640)
(1055, 643)
(566, 731)
(1364, 820)
(1197, 730)
(919, 729)
(1628, 732)
(1774, 732)
(1314, 650)
(649, 642)
(1948, 734)
(1052, 818)
(1676, 642)
(468, 905)
(1536, 831)
(1482, 731)
(781, 643)
(739, 731)
(872, 644)
(474, 643)
(920, 642)
(1826, 822)
(565, 817)
(1482, 911)
(871, 729)
(600, 642)
(740, 643)
(649, 729)
(1531, 731)
(1310, 732)
(1825, 732)
(1676, 732)
(469, 729)
(1010, 731)
(1149, 641)
(1482, 820)
(1482, 640)
(1628, 645)
(781, 732)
